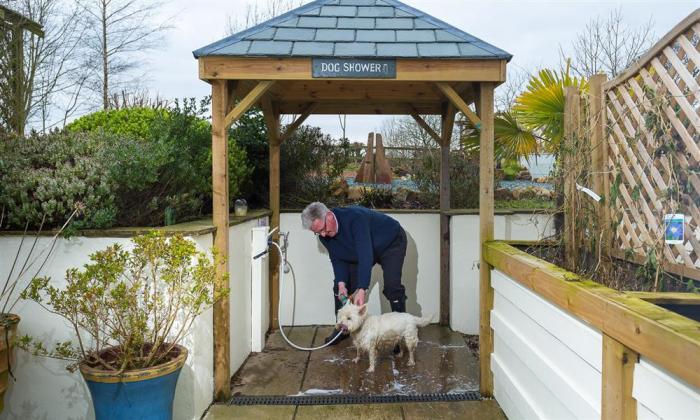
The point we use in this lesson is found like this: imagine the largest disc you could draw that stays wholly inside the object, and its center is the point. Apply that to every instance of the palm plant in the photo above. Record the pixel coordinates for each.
(540, 107)
(512, 140)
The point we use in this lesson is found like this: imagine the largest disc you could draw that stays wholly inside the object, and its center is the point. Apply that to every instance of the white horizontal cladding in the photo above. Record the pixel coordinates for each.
(464, 259)
(307, 290)
(660, 394)
(547, 362)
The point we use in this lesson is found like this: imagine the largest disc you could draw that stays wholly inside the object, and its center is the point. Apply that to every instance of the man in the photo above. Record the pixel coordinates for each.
(357, 238)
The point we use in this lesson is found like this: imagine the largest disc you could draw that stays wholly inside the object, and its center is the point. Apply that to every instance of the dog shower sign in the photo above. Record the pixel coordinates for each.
(353, 68)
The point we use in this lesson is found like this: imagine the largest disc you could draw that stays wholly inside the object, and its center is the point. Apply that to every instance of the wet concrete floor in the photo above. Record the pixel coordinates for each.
(443, 364)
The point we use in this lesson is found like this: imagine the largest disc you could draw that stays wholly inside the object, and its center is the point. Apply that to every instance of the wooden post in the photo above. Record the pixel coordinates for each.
(569, 159)
(618, 375)
(18, 79)
(486, 205)
(219, 149)
(599, 159)
(272, 120)
(448, 120)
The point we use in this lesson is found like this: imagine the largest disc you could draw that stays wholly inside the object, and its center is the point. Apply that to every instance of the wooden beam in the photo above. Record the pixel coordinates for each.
(459, 103)
(427, 70)
(485, 106)
(448, 121)
(362, 108)
(424, 125)
(617, 376)
(246, 103)
(666, 338)
(272, 121)
(291, 128)
(220, 210)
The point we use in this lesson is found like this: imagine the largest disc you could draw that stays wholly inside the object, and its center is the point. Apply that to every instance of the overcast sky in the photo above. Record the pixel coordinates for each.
(531, 30)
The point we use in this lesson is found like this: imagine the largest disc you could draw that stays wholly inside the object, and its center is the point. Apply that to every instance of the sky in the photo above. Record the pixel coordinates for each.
(531, 30)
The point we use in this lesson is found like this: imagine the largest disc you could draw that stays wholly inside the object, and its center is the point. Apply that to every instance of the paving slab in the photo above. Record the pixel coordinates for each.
(353, 411)
(462, 410)
(246, 412)
(278, 370)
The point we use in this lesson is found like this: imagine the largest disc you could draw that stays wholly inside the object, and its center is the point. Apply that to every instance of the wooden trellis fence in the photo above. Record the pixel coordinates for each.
(652, 153)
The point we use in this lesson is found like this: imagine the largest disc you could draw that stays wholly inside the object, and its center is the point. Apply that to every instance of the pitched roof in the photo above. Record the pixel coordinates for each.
(354, 28)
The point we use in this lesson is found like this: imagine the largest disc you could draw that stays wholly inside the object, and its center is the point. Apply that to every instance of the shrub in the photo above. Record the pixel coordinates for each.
(464, 179)
(45, 175)
(310, 163)
(132, 122)
(129, 308)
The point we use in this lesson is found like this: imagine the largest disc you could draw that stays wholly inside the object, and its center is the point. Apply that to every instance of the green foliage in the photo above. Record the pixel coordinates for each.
(526, 203)
(151, 171)
(377, 198)
(540, 107)
(131, 122)
(464, 179)
(511, 168)
(512, 140)
(140, 302)
(43, 176)
(310, 163)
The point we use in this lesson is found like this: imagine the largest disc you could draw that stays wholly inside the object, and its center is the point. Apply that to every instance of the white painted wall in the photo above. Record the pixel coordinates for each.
(464, 259)
(309, 299)
(546, 363)
(661, 395)
(44, 389)
(307, 290)
(240, 253)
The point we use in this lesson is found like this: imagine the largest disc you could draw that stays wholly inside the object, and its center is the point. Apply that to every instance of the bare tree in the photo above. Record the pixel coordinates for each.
(120, 31)
(608, 46)
(508, 92)
(255, 14)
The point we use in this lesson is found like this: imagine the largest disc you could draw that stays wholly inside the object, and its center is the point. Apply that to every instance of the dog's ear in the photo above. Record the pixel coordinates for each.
(363, 309)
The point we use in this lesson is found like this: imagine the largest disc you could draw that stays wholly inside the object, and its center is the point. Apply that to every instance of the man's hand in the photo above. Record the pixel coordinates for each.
(359, 297)
(342, 290)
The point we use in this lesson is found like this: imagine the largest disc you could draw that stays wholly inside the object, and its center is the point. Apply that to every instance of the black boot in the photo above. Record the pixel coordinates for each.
(398, 305)
(332, 337)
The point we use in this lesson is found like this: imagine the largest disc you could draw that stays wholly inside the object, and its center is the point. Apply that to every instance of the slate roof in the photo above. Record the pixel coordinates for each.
(354, 28)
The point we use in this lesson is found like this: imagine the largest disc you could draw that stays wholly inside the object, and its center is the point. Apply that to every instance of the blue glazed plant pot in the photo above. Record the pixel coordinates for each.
(135, 394)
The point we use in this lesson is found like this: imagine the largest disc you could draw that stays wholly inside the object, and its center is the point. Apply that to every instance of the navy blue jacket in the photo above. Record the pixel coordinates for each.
(363, 235)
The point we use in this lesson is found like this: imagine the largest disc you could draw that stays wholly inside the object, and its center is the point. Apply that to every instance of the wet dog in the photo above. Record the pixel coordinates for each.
(370, 333)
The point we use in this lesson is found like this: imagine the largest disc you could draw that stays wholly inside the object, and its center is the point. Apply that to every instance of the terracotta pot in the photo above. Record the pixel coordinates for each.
(135, 394)
(8, 330)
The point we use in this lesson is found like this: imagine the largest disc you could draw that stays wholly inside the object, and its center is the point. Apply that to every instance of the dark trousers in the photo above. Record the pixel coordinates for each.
(391, 261)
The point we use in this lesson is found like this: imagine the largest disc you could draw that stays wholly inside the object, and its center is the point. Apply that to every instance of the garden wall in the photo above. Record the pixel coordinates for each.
(546, 363)
(44, 389)
(309, 301)
(566, 347)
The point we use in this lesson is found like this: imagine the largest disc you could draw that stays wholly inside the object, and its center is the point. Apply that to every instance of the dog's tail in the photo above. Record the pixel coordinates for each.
(422, 322)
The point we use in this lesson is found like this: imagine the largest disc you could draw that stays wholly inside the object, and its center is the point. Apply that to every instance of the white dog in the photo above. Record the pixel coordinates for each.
(369, 333)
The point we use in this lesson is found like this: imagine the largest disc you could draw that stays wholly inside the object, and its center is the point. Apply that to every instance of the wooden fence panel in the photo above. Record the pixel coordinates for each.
(653, 143)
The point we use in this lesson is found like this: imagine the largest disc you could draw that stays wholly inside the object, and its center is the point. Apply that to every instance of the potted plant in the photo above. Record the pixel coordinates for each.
(30, 257)
(129, 310)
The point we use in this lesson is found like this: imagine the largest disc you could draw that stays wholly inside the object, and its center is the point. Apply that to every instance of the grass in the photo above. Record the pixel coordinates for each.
(528, 203)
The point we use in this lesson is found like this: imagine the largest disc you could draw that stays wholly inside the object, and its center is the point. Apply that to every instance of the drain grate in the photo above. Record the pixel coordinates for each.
(351, 399)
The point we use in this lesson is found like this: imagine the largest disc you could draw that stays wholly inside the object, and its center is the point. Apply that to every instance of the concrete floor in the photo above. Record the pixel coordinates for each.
(443, 364)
